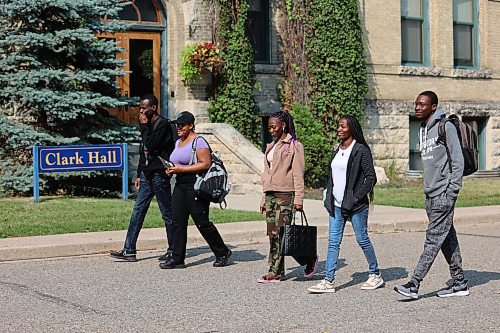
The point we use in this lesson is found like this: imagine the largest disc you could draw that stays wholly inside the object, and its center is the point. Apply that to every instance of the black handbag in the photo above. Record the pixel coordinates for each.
(298, 240)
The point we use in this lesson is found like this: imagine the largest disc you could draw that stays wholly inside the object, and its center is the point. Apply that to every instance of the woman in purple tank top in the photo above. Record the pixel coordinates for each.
(184, 199)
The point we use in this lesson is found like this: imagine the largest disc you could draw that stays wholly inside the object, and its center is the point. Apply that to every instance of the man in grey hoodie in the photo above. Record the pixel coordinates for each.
(442, 182)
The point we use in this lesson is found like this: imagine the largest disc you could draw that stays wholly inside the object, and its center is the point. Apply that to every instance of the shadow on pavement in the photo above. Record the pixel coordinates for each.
(237, 256)
(388, 274)
(477, 278)
(297, 272)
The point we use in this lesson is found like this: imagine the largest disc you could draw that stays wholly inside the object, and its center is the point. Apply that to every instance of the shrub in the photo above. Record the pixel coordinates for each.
(317, 149)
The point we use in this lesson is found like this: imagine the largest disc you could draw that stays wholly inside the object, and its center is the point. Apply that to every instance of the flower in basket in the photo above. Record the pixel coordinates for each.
(197, 58)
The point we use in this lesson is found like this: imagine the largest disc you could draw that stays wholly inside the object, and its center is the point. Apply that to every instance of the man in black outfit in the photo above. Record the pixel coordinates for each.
(157, 141)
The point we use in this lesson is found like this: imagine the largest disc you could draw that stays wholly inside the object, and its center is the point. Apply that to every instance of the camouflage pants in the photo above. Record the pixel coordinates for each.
(279, 210)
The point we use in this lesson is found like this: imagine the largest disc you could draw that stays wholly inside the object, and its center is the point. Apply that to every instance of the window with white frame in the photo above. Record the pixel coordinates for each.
(414, 32)
(465, 49)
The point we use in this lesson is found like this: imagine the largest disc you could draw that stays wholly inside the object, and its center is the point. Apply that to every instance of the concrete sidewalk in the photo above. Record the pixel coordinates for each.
(382, 219)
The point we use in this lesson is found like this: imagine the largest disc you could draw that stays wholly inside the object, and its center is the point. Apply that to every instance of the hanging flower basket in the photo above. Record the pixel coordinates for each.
(197, 58)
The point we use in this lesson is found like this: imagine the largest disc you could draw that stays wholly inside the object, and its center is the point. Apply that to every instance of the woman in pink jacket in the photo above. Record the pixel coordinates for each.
(283, 187)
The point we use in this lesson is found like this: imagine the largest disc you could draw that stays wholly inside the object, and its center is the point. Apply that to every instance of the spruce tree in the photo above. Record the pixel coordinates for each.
(57, 79)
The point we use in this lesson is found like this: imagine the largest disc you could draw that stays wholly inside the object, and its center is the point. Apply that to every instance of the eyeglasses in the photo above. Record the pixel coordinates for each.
(422, 104)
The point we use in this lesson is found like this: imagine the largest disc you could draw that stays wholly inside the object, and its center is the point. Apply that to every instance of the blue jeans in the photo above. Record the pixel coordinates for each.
(159, 186)
(336, 231)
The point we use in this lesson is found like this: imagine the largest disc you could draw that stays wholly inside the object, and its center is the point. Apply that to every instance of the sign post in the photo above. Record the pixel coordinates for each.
(80, 158)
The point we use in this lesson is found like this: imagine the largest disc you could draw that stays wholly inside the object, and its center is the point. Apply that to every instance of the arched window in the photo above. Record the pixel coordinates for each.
(141, 12)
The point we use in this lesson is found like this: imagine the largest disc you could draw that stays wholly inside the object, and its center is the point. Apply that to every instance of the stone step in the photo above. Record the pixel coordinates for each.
(251, 179)
(246, 189)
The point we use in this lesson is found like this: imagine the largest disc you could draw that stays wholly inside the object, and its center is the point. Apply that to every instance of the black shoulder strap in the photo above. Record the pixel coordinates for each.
(442, 138)
(442, 130)
(160, 118)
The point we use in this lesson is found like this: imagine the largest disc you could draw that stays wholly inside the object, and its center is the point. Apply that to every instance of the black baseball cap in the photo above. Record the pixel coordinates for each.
(185, 117)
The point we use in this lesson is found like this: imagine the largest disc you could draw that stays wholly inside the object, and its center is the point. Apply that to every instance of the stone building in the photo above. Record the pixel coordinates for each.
(451, 47)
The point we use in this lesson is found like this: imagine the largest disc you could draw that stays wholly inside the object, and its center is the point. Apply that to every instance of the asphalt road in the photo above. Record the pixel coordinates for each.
(99, 294)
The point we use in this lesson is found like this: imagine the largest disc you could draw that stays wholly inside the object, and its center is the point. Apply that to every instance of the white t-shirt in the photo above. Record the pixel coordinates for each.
(339, 173)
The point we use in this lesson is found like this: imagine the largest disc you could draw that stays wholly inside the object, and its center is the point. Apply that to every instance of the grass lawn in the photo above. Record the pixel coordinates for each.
(410, 193)
(59, 215)
(474, 192)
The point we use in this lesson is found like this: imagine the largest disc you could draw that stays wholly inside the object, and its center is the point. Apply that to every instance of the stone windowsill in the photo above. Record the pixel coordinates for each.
(471, 73)
(420, 71)
(462, 73)
(268, 69)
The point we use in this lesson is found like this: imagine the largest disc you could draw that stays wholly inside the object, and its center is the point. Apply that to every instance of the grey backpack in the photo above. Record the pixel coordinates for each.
(213, 183)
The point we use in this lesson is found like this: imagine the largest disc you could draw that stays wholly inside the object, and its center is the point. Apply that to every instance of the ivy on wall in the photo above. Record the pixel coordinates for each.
(325, 73)
(323, 64)
(291, 28)
(232, 100)
(337, 69)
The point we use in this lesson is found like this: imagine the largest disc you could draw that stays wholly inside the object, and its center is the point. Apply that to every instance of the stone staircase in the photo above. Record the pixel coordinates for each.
(243, 161)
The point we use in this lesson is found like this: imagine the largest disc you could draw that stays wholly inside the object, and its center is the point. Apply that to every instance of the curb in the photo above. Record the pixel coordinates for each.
(78, 244)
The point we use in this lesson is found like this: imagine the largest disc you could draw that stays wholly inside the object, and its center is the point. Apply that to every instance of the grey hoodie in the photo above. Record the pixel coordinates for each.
(437, 175)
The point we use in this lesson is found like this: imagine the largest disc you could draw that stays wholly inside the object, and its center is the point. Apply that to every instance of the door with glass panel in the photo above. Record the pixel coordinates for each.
(143, 66)
(415, 161)
(142, 56)
(479, 125)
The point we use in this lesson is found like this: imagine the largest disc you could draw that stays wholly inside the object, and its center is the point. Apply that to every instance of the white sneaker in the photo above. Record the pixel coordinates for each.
(374, 281)
(322, 287)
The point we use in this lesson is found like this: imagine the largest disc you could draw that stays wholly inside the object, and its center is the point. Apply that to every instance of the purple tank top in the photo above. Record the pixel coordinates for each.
(182, 155)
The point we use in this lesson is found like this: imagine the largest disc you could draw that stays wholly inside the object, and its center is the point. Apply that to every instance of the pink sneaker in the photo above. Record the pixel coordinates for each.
(309, 271)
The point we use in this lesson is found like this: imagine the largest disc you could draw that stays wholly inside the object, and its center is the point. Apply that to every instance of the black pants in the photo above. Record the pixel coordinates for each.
(185, 203)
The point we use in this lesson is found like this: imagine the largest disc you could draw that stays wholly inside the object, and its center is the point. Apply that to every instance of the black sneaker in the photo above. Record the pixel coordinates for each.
(409, 290)
(223, 260)
(124, 255)
(171, 264)
(166, 257)
(456, 289)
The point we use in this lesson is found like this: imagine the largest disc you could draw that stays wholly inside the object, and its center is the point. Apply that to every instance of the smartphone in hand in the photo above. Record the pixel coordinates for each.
(166, 164)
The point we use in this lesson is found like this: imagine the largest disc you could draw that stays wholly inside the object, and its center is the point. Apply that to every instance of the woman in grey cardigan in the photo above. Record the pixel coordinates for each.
(351, 181)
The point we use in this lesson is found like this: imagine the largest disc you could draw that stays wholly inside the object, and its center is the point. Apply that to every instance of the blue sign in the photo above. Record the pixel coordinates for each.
(80, 158)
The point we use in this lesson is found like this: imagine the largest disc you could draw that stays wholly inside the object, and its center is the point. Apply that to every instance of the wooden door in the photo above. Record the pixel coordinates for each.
(143, 65)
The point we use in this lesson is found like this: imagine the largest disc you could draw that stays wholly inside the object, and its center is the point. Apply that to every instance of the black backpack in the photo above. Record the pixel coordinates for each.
(213, 183)
(468, 141)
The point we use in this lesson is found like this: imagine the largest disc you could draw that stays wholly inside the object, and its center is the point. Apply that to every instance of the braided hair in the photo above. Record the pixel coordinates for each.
(357, 134)
(286, 118)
